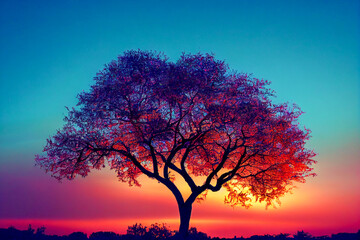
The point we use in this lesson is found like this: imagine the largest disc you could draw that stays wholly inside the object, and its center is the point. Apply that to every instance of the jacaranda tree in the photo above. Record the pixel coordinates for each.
(193, 118)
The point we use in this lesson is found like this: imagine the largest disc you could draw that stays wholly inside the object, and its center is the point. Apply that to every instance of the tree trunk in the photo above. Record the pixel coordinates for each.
(185, 214)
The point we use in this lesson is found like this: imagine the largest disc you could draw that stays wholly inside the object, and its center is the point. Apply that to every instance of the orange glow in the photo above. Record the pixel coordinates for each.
(324, 205)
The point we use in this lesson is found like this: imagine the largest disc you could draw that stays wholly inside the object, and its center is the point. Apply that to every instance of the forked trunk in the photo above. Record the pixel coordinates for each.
(185, 214)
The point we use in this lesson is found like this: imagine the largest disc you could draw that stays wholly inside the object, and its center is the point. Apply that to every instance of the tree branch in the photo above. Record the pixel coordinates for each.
(170, 185)
(154, 160)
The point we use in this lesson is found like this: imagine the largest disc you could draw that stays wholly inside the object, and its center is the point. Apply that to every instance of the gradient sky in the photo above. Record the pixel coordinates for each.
(51, 50)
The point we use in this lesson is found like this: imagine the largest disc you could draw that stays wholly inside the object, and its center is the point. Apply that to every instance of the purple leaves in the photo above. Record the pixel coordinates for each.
(146, 115)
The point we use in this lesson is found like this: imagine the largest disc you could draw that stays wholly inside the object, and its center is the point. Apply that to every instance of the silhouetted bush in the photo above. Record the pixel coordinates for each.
(155, 231)
(301, 235)
(13, 234)
(104, 236)
(77, 236)
(159, 231)
(137, 230)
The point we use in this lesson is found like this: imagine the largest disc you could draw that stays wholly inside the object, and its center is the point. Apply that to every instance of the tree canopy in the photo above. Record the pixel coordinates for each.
(194, 117)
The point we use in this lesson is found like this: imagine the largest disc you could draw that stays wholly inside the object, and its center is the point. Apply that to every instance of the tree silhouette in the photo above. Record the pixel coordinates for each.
(137, 230)
(147, 115)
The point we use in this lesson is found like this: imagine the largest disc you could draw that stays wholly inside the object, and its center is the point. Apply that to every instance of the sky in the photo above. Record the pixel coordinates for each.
(51, 50)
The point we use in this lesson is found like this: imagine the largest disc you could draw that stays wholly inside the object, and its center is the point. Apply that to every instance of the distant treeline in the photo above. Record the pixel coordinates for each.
(158, 232)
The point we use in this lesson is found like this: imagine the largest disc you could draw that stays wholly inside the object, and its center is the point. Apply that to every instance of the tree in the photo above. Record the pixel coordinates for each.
(196, 117)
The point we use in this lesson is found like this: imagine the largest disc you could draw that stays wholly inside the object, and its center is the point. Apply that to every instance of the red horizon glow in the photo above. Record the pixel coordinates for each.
(212, 227)
(101, 203)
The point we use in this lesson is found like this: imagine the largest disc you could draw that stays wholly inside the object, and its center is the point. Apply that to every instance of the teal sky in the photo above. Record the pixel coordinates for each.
(51, 50)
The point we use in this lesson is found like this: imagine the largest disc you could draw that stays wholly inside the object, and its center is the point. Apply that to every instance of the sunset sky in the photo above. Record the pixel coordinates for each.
(51, 50)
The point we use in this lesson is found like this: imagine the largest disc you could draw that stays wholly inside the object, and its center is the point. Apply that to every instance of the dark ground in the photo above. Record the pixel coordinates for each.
(156, 231)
